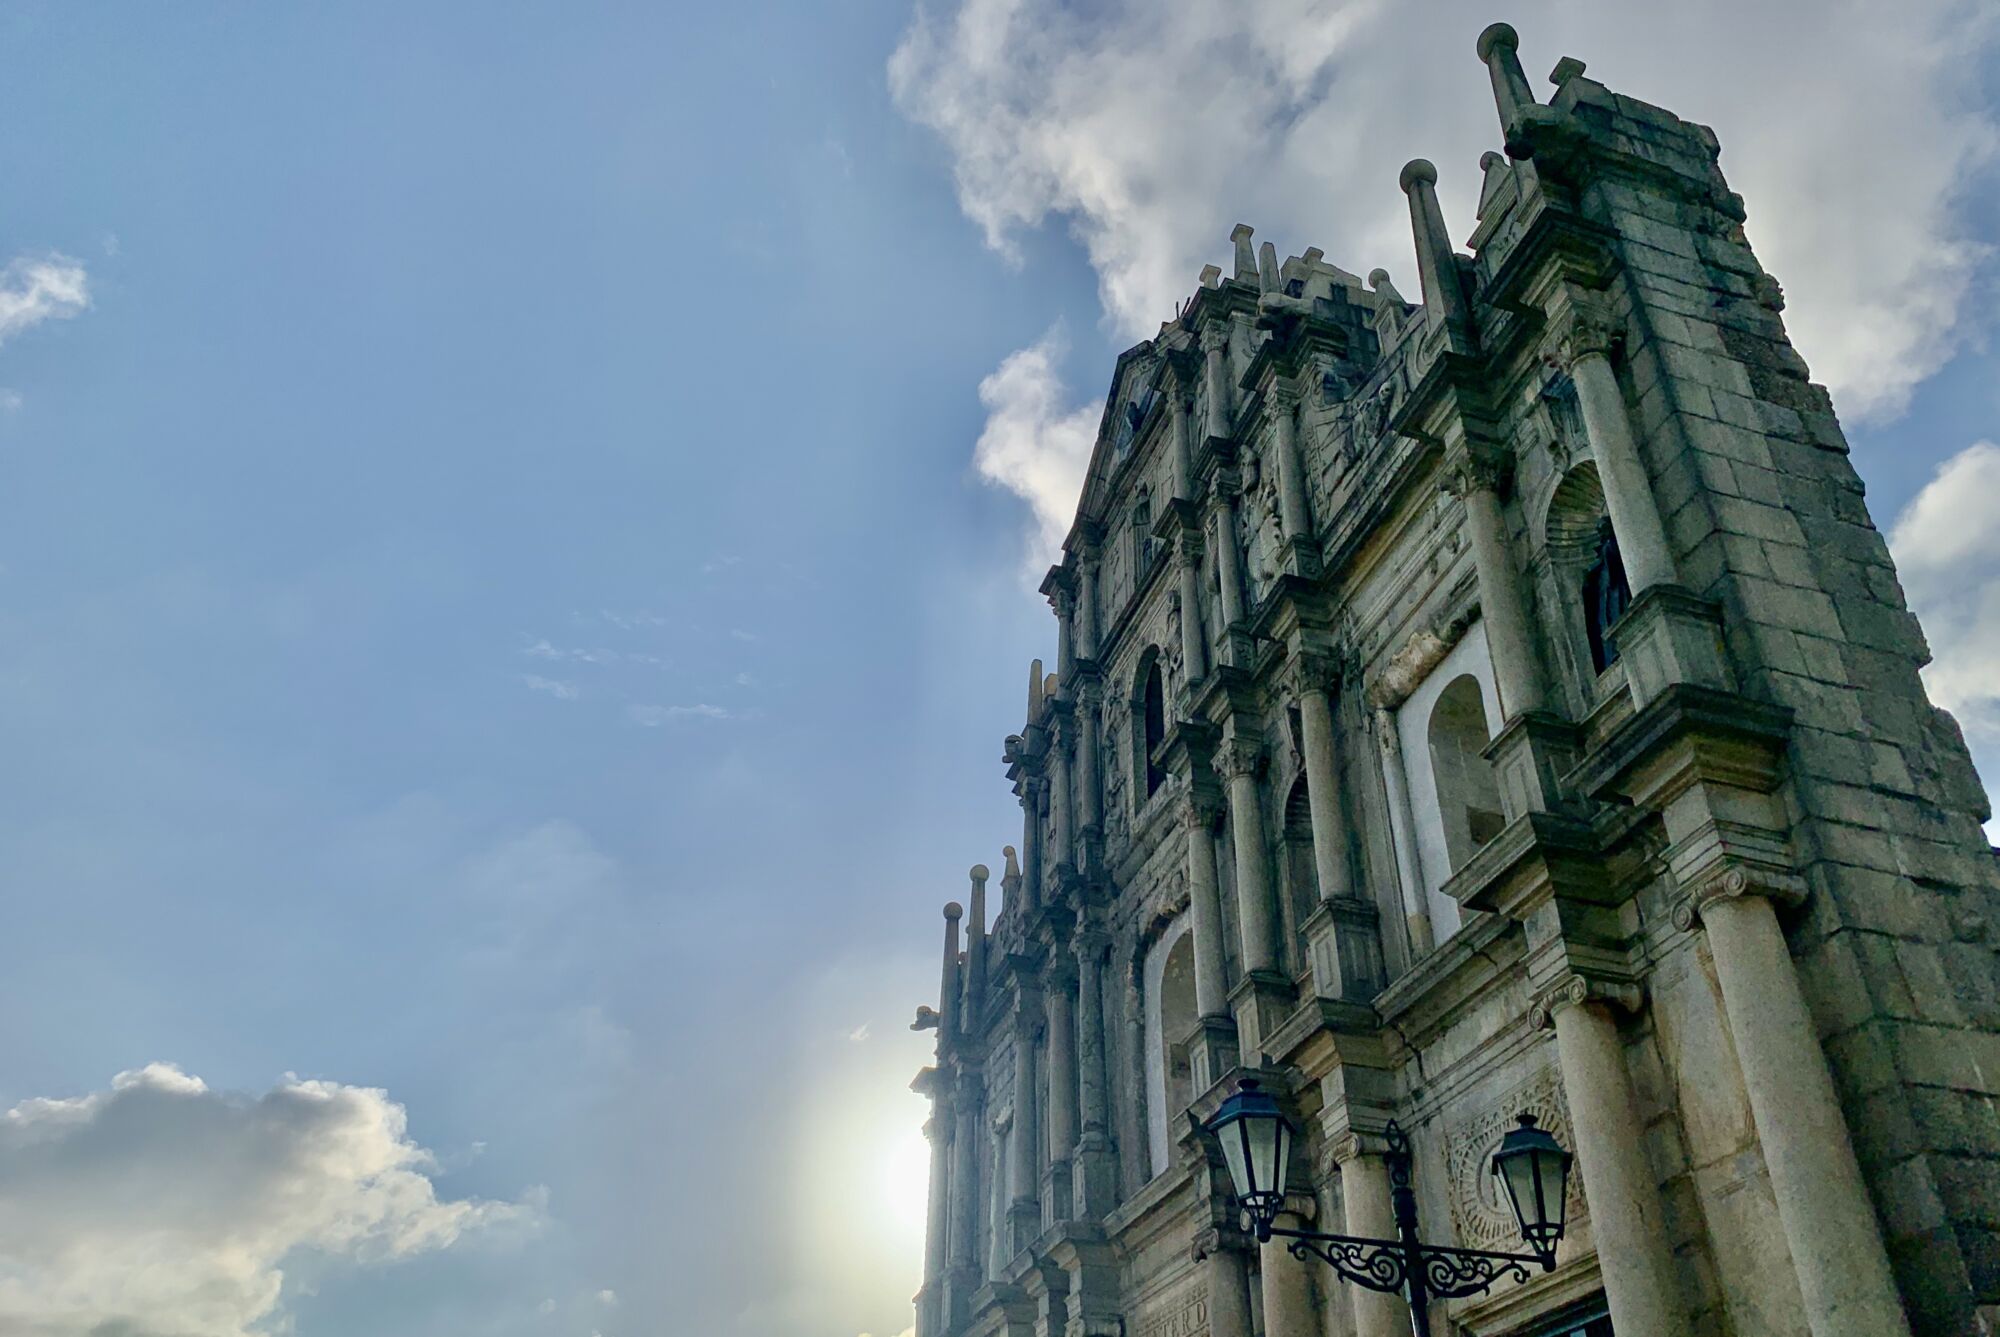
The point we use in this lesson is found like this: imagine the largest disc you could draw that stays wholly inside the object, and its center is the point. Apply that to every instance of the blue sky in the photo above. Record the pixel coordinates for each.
(511, 591)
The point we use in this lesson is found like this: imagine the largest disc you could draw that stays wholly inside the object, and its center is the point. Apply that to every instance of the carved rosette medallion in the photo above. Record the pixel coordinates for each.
(1479, 1209)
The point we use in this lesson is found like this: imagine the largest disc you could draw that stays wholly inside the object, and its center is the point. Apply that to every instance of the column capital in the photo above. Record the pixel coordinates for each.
(1190, 545)
(1469, 471)
(1215, 335)
(1315, 670)
(1238, 758)
(1282, 393)
(1582, 330)
(969, 1089)
(1577, 990)
(1735, 881)
(1354, 1144)
(1219, 1239)
(1200, 810)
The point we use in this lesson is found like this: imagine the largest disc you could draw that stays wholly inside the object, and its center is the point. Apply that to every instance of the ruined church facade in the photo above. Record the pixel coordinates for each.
(1497, 704)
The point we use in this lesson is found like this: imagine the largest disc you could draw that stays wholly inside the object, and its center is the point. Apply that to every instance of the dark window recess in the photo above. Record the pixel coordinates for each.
(1605, 598)
(1591, 1322)
(1156, 727)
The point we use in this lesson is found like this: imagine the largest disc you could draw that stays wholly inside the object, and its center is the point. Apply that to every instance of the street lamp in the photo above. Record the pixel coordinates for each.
(1256, 1140)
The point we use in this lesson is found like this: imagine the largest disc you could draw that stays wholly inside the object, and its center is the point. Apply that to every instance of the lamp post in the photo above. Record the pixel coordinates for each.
(1256, 1140)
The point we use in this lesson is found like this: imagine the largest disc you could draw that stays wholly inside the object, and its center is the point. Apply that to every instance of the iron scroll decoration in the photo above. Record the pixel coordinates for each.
(1407, 1265)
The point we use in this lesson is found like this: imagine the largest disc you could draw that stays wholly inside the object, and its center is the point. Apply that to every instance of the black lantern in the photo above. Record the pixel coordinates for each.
(1256, 1140)
(1534, 1169)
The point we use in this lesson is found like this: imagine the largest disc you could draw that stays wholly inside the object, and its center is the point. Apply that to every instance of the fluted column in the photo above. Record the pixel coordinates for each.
(1627, 1221)
(1823, 1205)
(1256, 912)
(1293, 509)
(1194, 629)
(1503, 604)
(1086, 607)
(1628, 491)
(1059, 996)
(1402, 830)
(1094, 1172)
(1366, 1205)
(1227, 1272)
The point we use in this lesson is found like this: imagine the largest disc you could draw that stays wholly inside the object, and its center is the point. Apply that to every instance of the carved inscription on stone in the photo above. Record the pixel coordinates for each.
(1184, 1314)
(1479, 1207)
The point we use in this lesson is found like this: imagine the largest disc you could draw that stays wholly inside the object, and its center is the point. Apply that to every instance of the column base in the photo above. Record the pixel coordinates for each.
(1345, 944)
(1530, 756)
(1263, 1000)
(1057, 1199)
(1095, 1177)
(1024, 1224)
(1213, 1052)
(1670, 636)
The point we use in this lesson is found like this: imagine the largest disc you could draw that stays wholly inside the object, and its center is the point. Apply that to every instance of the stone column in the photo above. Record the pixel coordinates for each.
(937, 1218)
(1211, 982)
(1060, 995)
(1329, 818)
(1215, 368)
(1294, 511)
(1024, 1211)
(1517, 669)
(1094, 1172)
(1228, 557)
(1086, 608)
(1497, 48)
(1237, 760)
(1627, 1222)
(1628, 491)
(1090, 795)
(1365, 1202)
(1183, 407)
(1194, 630)
(1227, 1273)
(1288, 1298)
(965, 1172)
(1064, 603)
(1830, 1226)
(1402, 830)
(1059, 806)
(975, 952)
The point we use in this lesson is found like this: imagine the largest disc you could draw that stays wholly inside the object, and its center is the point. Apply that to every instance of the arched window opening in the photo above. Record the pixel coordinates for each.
(1605, 598)
(1468, 797)
(1170, 1023)
(1155, 710)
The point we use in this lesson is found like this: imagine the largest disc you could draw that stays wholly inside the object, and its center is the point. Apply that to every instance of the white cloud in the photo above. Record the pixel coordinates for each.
(1032, 444)
(1947, 551)
(652, 717)
(161, 1208)
(1150, 129)
(10, 400)
(34, 289)
(555, 687)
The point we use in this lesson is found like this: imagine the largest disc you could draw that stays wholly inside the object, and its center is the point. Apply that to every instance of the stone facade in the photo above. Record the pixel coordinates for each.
(1500, 704)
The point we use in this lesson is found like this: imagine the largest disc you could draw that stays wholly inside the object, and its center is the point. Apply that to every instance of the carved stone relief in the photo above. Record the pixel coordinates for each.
(1479, 1208)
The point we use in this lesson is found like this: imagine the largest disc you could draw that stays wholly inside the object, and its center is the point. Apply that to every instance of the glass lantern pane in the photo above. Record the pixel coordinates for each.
(1550, 1171)
(1232, 1152)
(1264, 1138)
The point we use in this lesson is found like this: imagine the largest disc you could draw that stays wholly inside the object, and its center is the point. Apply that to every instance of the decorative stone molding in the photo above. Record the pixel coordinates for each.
(1409, 666)
(1584, 331)
(1478, 471)
(1184, 1315)
(1314, 671)
(1200, 812)
(1479, 1209)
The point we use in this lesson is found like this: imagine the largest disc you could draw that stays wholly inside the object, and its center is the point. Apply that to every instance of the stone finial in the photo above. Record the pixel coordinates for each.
(1012, 868)
(1050, 686)
(979, 873)
(1499, 48)
(1246, 259)
(1568, 68)
(1385, 288)
(1036, 691)
(1267, 269)
(1437, 264)
(1312, 257)
(948, 985)
(1496, 169)
(1211, 275)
